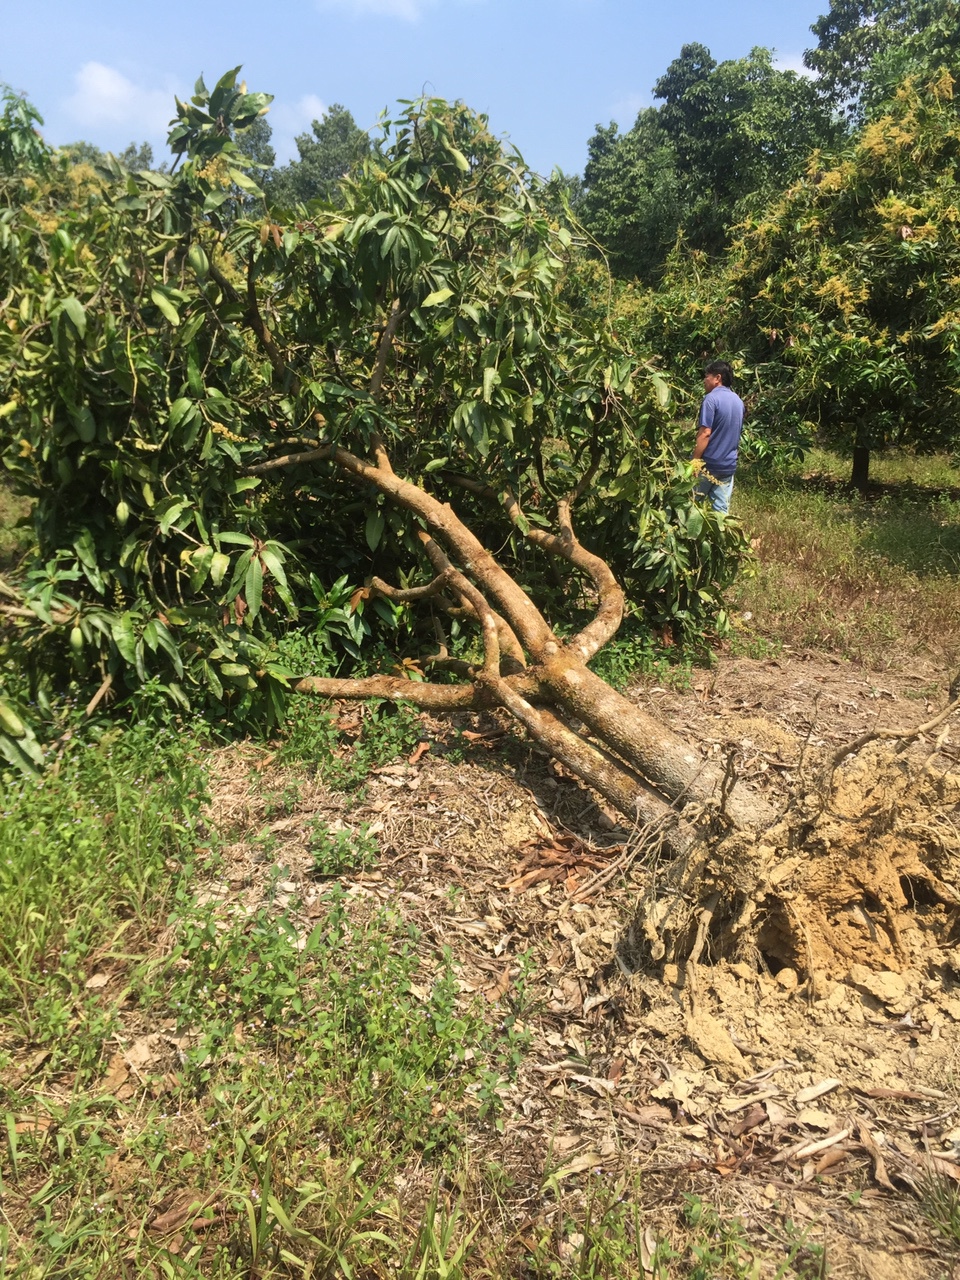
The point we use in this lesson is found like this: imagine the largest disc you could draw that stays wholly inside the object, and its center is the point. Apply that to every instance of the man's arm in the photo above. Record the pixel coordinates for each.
(702, 440)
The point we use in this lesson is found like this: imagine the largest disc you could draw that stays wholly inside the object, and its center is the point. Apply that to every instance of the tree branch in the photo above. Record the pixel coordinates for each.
(257, 324)
(628, 793)
(567, 547)
(321, 453)
(376, 379)
(409, 595)
(474, 597)
(428, 697)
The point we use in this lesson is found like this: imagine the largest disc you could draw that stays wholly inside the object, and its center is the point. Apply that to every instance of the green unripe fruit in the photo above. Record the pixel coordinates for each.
(76, 640)
(197, 257)
(123, 514)
(11, 722)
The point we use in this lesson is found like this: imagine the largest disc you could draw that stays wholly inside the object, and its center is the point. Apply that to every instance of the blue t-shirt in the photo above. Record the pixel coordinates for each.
(722, 412)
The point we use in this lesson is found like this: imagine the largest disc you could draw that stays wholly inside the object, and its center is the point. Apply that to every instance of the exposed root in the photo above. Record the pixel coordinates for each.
(868, 878)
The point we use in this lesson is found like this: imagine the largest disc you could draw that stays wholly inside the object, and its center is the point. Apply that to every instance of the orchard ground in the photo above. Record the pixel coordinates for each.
(371, 998)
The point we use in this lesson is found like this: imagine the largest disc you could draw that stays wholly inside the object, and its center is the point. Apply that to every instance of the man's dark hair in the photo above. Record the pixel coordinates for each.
(723, 369)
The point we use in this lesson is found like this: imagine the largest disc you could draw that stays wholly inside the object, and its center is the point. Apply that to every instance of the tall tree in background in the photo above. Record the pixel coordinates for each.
(866, 48)
(841, 299)
(726, 136)
(631, 203)
(335, 145)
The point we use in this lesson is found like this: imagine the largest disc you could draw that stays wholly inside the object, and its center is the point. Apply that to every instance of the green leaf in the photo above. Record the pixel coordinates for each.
(125, 638)
(179, 411)
(373, 530)
(165, 306)
(434, 299)
(253, 586)
(218, 567)
(75, 313)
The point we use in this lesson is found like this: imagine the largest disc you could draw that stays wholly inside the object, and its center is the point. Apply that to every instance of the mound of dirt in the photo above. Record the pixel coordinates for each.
(861, 875)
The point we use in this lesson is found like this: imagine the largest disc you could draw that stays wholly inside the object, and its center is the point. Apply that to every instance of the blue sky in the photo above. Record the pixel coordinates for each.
(545, 71)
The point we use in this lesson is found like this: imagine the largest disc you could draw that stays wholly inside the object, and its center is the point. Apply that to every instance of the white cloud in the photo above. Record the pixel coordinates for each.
(793, 62)
(287, 119)
(104, 97)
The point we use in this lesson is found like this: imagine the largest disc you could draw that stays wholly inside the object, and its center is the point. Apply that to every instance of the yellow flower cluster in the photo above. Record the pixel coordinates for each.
(842, 294)
(219, 429)
(942, 87)
(949, 320)
(885, 136)
(216, 172)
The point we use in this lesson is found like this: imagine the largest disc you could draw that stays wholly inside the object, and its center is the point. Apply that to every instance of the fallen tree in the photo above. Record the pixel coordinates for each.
(542, 681)
(371, 424)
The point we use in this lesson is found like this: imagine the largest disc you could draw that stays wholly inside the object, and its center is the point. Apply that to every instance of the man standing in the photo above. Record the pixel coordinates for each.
(718, 436)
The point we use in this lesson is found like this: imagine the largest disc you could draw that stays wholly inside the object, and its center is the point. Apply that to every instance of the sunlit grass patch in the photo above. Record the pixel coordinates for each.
(889, 467)
(89, 855)
(14, 538)
(876, 580)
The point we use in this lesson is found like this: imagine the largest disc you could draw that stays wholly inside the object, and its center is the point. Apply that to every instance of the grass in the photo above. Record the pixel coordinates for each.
(873, 579)
(192, 1087)
(14, 538)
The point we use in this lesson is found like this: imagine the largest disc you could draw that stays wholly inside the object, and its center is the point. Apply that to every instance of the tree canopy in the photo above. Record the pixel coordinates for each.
(840, 298)
(866, 48)
(163, 348)
(327, 155)
(726, 136)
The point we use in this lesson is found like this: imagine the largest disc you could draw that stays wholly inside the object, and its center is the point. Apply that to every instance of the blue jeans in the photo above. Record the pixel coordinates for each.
(716, 491)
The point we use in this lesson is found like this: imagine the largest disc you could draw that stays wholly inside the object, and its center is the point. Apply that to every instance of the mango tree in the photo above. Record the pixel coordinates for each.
(386, 412)
(230, 426)
(840, 299)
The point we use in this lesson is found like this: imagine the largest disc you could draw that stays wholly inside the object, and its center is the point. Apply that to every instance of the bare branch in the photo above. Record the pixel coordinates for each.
(383, 349)
(618, 784)
(893, 735)
(291, 460)
(18, 611)
(376, 379)
(474, 597)
(567, 547)
(428, 697)
(258, 325)
(410, 594)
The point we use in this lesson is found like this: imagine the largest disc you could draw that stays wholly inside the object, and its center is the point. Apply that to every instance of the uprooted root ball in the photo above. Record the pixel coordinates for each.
(867, 874)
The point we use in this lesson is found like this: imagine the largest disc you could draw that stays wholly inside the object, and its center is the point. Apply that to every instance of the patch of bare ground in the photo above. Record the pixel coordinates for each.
(772, 1025)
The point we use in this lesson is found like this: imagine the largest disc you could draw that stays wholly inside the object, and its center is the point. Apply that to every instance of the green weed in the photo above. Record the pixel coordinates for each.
(876, 580)
(634, 654)
(86, 856)
(337, 852)
(940, 1202)
(387, 730)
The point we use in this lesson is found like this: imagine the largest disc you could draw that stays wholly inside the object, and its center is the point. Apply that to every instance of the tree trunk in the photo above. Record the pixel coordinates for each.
(743, 883)
(636, 763)
(860, 471)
